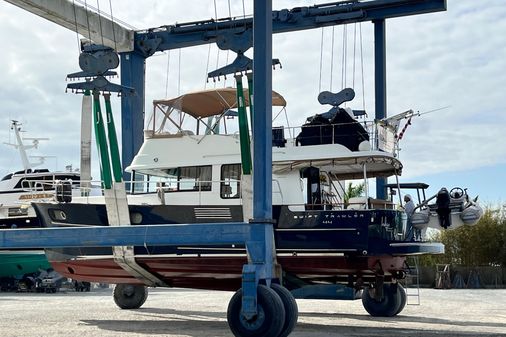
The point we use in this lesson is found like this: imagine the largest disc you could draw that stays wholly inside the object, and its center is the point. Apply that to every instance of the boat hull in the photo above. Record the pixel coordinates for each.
(224, 272)
(15, 263)
(346, 246)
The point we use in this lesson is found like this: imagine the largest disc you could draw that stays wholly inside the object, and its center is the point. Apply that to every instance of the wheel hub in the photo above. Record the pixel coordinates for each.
(256, 321)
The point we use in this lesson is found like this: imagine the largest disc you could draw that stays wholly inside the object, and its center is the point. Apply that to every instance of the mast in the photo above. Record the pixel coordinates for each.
(16, 126)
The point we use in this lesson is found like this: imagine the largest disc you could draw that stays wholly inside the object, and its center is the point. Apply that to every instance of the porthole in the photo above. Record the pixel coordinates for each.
(136, 218)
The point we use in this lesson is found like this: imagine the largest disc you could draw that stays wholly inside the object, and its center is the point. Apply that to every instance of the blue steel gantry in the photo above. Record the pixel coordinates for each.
(227, 33)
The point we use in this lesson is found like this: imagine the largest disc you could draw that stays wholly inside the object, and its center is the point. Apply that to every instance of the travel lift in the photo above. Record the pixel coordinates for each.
(261, 307)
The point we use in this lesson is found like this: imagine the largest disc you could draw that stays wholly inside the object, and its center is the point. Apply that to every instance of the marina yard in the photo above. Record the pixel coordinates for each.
(183, 312)
(194, 217)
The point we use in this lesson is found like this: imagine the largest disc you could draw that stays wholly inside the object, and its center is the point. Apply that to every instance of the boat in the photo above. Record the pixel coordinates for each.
(15, 263)
(17, 191)
(444, 210)
(188, 170)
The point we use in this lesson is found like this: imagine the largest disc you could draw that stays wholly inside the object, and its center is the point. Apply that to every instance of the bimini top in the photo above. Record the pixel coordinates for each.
(207, 103)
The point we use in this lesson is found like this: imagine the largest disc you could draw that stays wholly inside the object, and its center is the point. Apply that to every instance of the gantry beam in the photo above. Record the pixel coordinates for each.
(89, 24)
(148, 41)
(189, 34)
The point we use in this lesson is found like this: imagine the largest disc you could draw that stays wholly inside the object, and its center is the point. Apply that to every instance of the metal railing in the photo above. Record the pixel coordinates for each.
(45, 189)
(381, 136)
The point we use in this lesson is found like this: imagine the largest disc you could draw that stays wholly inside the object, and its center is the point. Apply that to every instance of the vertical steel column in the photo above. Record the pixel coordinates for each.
(132, 107)
(380, 87)
(262, 118)
(261, 250)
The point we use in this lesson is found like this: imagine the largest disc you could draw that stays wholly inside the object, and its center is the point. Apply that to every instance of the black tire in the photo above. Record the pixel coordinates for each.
(129, 296)
(388, 306)
(404, 297)
(267, 323)
(291, 309)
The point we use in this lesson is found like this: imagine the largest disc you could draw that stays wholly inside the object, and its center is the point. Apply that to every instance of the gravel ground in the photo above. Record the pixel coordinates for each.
(182, 312)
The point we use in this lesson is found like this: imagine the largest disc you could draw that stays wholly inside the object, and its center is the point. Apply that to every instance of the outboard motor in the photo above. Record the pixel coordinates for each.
(443, 208)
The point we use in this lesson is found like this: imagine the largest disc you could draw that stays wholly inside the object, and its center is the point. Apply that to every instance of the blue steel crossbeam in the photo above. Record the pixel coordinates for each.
(108, 236)
(220, 31)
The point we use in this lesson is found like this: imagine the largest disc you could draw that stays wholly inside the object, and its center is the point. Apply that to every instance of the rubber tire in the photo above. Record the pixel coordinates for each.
(129, 296)
(387, 307)
(270, 310)
(403, 295)
(291, 309)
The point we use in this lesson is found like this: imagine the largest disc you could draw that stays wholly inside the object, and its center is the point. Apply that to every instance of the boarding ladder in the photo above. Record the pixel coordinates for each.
(412, 281)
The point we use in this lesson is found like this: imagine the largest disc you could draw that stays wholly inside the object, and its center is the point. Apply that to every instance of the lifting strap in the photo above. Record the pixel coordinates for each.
(114, 192)
(246, 177)
(243, 128)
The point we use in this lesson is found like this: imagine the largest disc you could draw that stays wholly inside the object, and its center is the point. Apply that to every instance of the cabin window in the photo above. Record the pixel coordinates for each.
(35, 184)
(230, 186)
(194, 178)
(176, 179)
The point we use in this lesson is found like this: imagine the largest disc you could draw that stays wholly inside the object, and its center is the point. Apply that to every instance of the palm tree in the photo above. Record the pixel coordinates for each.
(353, 191)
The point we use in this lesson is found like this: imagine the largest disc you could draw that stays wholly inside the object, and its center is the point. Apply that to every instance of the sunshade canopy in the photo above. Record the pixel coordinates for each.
(207, 103)
(350, 167)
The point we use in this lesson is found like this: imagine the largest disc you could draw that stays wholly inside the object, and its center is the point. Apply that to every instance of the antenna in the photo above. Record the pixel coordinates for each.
(16, 126)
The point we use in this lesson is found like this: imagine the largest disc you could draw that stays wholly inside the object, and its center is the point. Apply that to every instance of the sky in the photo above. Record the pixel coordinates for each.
(453, 60)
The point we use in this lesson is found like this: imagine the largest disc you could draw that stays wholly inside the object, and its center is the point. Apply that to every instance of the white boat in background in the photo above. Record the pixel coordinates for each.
(442, 211)
(451, 209)
(20, 188)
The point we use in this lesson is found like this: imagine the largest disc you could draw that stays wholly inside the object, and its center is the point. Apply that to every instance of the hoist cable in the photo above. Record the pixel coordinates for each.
(216, 28)
(321, 63)
(215, 11)
(167, 77)
(217, 62)
(77, 31)
(332, 59)
(228, 50)
(362, 66)
(112, 24)
(179, 74)
(87, 19)
(344, 60)
(100, 22)
(354, 53)
(181, 115)
(207, 66)
(244, 13)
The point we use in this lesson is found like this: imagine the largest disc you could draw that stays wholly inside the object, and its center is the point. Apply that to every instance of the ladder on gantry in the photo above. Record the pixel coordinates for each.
(412, 281)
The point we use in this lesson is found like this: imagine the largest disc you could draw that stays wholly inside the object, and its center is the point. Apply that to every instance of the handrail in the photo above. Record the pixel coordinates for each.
(33, 188)
(381, 137)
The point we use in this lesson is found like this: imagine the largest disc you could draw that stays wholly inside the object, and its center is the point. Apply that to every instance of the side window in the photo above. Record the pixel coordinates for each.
(29, 183)
(230, 186)
(194, 178)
